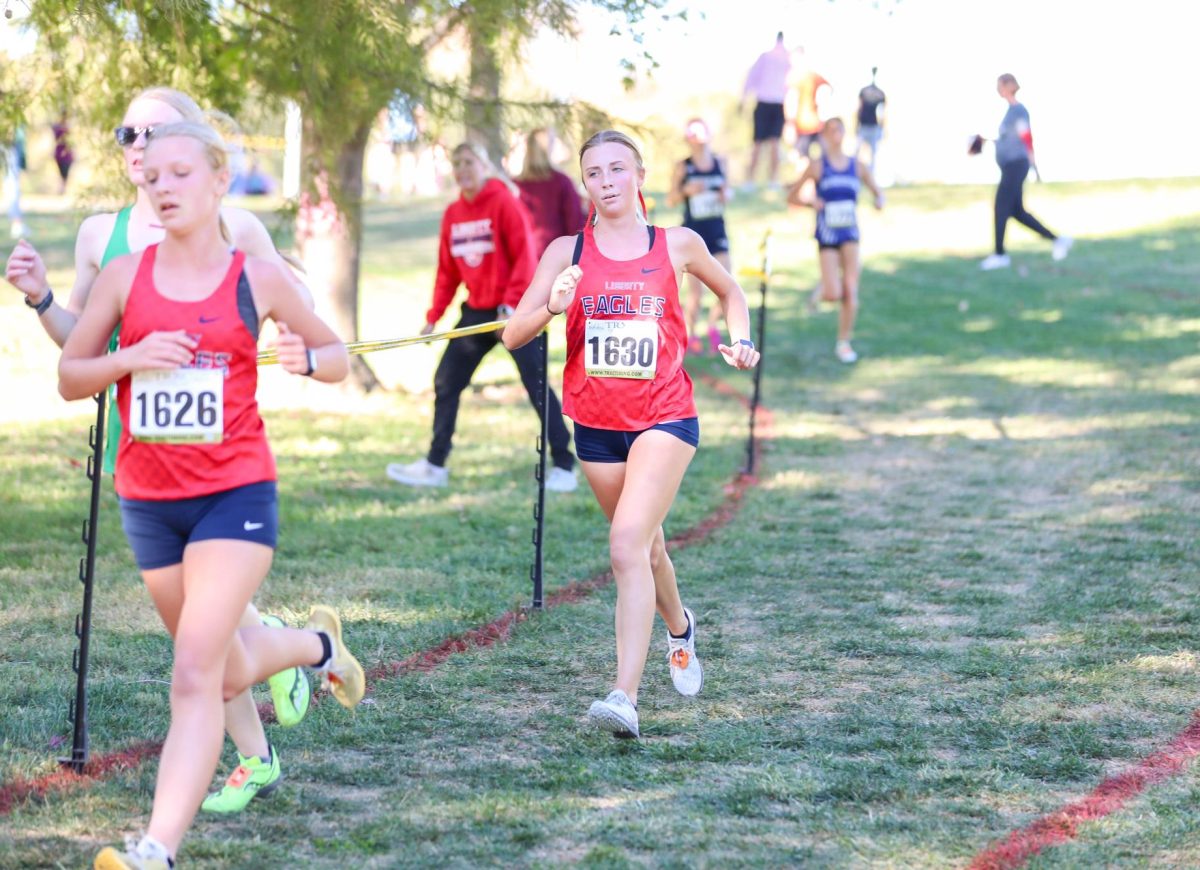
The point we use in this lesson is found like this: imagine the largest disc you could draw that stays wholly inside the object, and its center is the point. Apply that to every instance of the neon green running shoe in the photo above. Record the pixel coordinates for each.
(252, 777)
(290, 691)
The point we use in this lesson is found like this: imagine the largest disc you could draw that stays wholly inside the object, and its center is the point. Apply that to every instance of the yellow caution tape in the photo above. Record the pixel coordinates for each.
(271, 357)
(763, 274)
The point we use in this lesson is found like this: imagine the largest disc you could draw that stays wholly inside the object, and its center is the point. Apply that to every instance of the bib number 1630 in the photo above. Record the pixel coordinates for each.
(179, 406)
(621, 349)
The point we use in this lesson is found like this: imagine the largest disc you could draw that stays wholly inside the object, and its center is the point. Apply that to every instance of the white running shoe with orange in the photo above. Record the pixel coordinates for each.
(686, 671)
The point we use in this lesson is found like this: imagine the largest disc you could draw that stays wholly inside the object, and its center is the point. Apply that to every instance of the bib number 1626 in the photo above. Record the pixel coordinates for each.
(179, 406)
(621, 349)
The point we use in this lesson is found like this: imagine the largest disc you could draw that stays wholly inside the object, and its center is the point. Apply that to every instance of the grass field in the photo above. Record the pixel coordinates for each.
(960, 595)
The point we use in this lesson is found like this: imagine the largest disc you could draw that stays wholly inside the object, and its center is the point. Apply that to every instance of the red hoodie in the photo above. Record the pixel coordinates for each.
(486, 244)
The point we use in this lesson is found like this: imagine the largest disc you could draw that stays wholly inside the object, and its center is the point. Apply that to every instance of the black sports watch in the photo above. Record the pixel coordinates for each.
(43, 306)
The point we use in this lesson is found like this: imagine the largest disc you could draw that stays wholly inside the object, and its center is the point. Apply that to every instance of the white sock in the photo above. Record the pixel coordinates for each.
(152, 848)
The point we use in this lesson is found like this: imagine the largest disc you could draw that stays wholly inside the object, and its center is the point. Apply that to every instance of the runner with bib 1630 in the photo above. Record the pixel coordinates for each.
(624, 385)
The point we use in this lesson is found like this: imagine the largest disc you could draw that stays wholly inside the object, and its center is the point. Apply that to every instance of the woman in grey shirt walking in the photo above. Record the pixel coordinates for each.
(1014, 154)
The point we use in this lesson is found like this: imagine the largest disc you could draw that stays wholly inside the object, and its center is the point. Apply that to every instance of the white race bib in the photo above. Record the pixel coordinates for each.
(621, 349)
(839, 214)
(706, 205)
(178, 406)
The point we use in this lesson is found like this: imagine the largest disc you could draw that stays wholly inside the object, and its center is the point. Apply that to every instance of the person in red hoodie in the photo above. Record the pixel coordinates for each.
(487, 244)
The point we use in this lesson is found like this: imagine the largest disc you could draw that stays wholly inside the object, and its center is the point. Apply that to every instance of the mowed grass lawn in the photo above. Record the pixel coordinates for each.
(961, 594)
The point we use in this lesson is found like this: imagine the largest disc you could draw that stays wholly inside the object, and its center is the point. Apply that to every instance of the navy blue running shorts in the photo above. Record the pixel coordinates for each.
(158, 531)
(713, 233)
(612, 445)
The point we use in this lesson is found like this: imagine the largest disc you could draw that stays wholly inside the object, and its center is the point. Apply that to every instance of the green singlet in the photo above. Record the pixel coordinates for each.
(118, 246)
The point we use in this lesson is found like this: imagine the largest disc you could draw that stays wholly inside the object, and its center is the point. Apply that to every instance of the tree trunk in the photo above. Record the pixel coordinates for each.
(329, 232)
(482, 110)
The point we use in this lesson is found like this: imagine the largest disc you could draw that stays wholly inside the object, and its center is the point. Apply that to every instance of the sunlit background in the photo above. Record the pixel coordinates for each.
(1108, 85)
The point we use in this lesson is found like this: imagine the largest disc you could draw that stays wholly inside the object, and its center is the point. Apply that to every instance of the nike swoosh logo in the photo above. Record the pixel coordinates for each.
(251, 527)
(204, 319)
(646, 271)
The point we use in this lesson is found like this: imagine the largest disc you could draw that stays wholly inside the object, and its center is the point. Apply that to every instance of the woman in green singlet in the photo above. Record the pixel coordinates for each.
(101, 238)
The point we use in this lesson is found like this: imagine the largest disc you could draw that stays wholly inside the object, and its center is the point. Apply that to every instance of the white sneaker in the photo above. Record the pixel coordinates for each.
(419, 473)
(686, 672)
(844, 352)
(1062, 246)
(561, 480)
(148, 854)
(616, 714)
(995, 261)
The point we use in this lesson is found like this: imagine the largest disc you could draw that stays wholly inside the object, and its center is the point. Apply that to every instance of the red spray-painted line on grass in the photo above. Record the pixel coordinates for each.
(16, 792)
(499, 629)
(1108, 797)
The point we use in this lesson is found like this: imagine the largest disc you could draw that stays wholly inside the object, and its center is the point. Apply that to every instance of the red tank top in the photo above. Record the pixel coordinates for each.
(209, 405)
(625, 342)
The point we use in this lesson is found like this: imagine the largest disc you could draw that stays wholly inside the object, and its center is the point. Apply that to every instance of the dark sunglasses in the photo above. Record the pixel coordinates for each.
(126, 136)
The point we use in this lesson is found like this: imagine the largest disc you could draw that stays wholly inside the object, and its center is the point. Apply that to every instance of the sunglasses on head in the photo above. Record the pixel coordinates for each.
(126, 136)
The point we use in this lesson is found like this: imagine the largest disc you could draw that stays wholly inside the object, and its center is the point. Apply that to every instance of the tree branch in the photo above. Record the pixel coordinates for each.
(254, 10)
(449, 25)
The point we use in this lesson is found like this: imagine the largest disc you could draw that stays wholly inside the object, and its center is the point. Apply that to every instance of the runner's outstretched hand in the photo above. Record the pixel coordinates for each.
(740, 356)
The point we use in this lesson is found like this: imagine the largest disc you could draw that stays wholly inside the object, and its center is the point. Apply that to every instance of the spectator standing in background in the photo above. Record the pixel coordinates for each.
(14, 163)
(871, 102)
(554, 206)
(767, 82)
(486, 244)
(63, 156)
(806, 115)
(1014, 155)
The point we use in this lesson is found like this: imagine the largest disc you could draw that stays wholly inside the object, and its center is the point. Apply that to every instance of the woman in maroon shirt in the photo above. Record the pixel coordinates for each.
(549, 195)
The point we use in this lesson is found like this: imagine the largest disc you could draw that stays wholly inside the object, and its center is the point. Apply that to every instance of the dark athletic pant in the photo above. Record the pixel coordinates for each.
(454, 373)
(1010, 205)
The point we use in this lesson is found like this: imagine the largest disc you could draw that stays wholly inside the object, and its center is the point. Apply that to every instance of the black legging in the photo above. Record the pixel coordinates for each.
(1010, 205)
(454, 372)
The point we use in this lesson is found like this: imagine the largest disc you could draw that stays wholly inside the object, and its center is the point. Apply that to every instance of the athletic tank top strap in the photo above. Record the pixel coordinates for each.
(118, 246)
(247, 310)
(143, 278)
(118, 241)
(229, 291)
(690, 168)
(837, 183)
(575, 257)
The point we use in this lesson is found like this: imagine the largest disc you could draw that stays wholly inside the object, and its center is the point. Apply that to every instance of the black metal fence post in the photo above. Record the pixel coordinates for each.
(77, 713)
(764, 279)
(539, 508)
